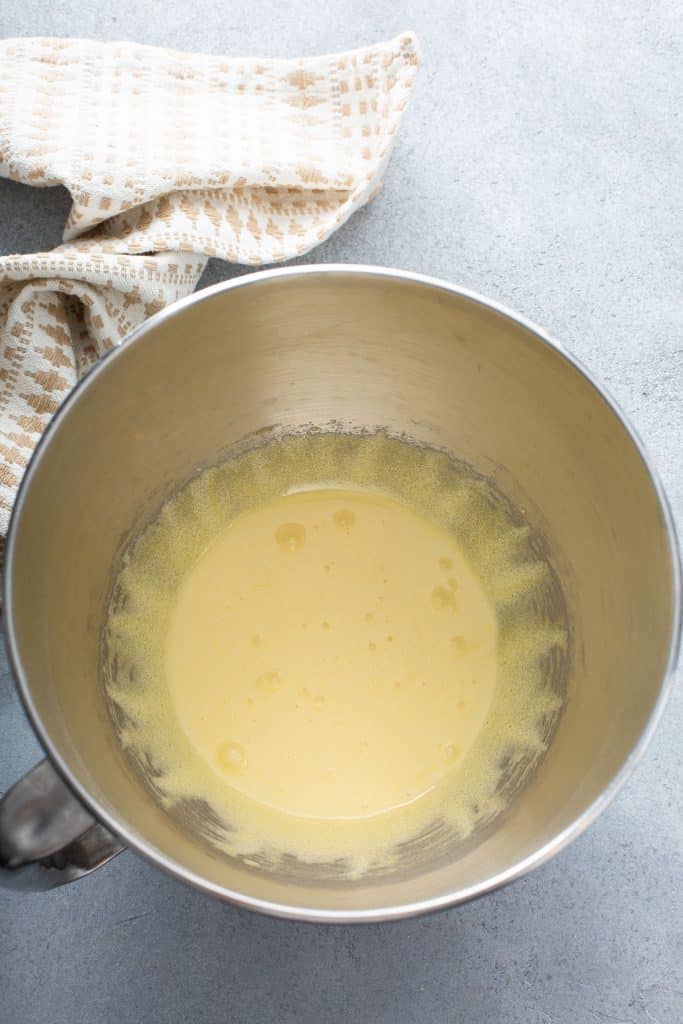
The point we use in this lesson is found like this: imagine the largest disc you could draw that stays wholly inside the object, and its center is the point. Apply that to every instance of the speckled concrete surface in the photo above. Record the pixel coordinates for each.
(540, 164)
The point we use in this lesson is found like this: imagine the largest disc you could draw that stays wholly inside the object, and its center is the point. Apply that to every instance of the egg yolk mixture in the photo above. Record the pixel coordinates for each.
(332, 654)
(331, 665)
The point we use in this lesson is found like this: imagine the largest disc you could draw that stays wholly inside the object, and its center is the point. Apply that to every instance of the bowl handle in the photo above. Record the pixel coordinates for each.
(47, 838)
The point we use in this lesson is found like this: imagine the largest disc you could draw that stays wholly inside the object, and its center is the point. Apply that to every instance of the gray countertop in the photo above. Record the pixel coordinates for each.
(540, 163)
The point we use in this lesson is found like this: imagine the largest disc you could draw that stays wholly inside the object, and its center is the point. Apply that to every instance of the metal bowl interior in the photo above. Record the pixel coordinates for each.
(361, 348)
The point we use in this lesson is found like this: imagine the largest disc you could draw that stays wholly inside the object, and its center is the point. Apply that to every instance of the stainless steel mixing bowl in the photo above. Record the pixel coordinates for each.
(360, 347)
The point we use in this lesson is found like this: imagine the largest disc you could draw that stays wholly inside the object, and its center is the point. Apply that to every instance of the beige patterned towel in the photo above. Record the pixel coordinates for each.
(169, 158)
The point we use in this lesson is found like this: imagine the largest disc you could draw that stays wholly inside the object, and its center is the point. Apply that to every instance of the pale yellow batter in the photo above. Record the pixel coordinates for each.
(335, 643)
(332, 654)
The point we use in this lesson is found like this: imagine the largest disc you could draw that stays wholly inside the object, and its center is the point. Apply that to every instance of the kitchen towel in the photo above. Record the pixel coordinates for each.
(169, 158)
